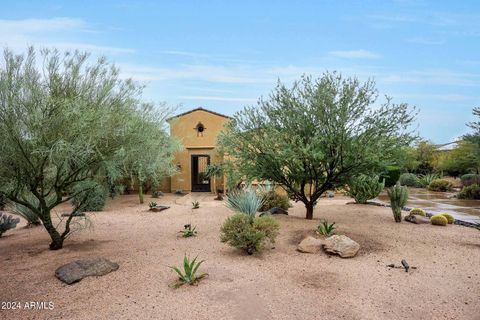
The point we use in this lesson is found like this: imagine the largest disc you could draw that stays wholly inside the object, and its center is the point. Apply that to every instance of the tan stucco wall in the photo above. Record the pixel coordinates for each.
(183, 128)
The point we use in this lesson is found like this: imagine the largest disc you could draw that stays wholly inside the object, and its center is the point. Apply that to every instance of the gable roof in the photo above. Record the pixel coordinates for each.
(199, 109)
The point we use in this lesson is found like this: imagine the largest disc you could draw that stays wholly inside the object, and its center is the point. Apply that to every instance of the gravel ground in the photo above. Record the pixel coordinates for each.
(280, 283)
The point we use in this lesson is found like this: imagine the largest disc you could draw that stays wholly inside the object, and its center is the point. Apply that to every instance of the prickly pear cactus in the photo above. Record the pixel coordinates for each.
(398, 199)
(7, 222)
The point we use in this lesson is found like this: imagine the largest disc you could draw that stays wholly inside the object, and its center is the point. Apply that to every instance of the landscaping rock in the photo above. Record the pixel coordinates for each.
(417, 219)
(341, 245)
(75, 271)
(310, 245)
(276, 210)
(158, 208)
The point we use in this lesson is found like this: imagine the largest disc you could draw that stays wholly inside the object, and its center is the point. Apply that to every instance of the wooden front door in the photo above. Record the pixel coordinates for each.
(200, 183)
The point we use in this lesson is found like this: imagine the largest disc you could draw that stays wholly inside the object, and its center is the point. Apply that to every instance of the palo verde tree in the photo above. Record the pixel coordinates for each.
(65, 126)
(316, 135)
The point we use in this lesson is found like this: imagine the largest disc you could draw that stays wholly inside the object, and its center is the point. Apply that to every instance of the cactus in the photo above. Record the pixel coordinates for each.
(418, 212)
(439, 220)
(7, 222)
(449, 217)
(398, 199)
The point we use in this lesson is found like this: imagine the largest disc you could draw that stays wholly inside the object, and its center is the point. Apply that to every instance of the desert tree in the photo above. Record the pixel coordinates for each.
(66, 122)
(316, 135)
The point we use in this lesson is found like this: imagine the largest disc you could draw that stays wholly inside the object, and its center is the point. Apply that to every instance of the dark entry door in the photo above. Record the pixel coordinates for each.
(200, 183)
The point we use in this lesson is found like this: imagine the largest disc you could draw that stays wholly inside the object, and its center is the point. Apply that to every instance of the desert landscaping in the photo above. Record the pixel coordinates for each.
(279, 283)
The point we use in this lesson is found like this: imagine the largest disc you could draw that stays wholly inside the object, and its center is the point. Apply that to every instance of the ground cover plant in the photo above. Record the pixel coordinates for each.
(364, 187)
(72, 128)
(189, 273)
(316, 135)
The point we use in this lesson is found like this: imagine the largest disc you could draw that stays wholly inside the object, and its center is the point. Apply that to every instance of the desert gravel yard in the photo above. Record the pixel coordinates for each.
(280, 283)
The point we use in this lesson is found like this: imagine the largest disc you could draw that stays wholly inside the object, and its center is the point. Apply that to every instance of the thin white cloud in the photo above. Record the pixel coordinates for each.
(355, 54)
(217, 98)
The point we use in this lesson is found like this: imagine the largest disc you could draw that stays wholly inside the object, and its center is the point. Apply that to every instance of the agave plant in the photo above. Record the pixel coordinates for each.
(326, 229)
(426, 179)
(188, 231)
(195, 205)
(246, 201)
(152, 205)
(189, 274)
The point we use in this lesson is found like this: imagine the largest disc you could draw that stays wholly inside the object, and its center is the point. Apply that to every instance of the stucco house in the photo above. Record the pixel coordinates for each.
(197, 130)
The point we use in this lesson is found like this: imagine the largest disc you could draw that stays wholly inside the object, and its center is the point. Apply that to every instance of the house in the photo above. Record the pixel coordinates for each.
(197, 130)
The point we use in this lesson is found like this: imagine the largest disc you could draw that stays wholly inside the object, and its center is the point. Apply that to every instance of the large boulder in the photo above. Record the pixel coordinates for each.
(77, 270)
(341, 245)
(310, 245)
(417, 219)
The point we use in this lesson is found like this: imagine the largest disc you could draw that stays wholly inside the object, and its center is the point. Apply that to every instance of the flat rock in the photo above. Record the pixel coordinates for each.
(77, 270)
(310, 245)
(159, 208)
(276, 210)
(341, 245)
(417, 219)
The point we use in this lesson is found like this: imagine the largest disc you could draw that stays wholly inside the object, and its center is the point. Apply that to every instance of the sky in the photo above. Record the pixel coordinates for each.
(224, 55)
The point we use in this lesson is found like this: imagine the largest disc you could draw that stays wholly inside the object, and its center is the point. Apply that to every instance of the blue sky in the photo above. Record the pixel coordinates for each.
(224, 55)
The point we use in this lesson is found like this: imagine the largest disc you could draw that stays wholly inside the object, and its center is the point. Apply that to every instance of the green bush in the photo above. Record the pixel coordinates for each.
(449, 217)
(469, 179)
(249, 234)
(272, 199)
(364, 188)
(92, 198)
(418, 212)
(471, 192)
(391, 175)
(439, 220)
(398, 199)
(440, 185)
(409, 180)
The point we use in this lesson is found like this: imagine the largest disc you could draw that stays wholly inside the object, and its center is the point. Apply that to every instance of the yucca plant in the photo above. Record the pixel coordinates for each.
(189, 274)
(326, 229)
(398, 199)
(195, 205)
(246, 201)
(188, 231)
(152, 205)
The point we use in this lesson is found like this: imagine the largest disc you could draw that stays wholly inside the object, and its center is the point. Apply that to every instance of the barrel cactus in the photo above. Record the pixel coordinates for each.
(398, 195)
(418, 212)
(449, 217)
(7, 222)
(439, 220)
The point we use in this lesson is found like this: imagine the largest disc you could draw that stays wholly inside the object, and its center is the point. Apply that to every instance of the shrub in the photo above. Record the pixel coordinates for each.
(326, 229)
(398, 199)
(272, 199)
(425, 179)
(440, 185)
(195, 205)
(439, 220)
(471, 192)
(189, 274)
(250, 234)
(449, 217)
(188, 231)
(391, 175)
(418, 212)
(409, 180)
(7, 223)
(469, 179)
(26, 213)
(364, 188)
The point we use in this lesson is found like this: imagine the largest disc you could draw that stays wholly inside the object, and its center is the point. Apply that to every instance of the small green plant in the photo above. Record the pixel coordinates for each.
(189, 274)
(7, 222)
(471, 192)
(188, 231)
(425, 179)
(398, 199)
(179, 191)
(152, 205)
(156, 194)
(364, 188)
(409, 180)
(326, 229)
(272, 199)
(440, 185)
(449, 217)
(249, 234)
(418, 212)
(195, 205)
(439, 220)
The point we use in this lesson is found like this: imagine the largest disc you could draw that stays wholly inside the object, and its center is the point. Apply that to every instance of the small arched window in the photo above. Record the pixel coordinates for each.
(200, 128)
